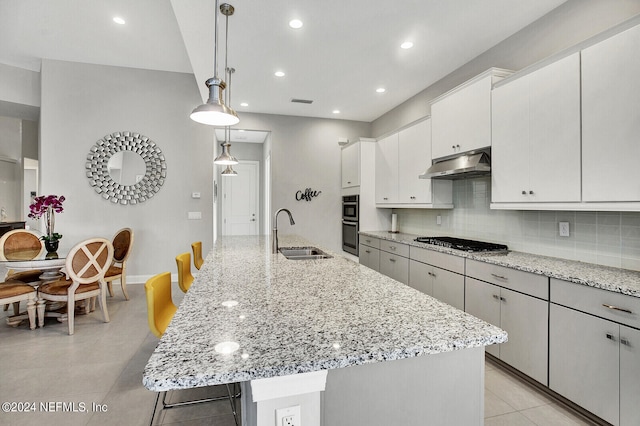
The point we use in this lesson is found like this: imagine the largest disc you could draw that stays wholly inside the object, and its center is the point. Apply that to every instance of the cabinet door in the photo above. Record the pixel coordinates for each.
(448, 287)
(526, 320)
(351, 165)
(387, 170)
(584, 363)
(510, 142)
(611, 119)
(554, 132)
(369, 257)
(483, 301)
(414, 155)
(394, 266)
(420, 277)
(629, 376)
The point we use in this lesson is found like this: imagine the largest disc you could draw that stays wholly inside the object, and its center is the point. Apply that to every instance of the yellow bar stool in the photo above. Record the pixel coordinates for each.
(185, 278)
(197, 254)
(160, 311)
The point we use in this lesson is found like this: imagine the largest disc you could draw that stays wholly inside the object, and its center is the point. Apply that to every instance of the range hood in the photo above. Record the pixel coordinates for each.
(466, 165)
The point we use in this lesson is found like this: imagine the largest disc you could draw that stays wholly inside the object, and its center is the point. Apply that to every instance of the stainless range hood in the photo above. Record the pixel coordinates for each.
(467, 165)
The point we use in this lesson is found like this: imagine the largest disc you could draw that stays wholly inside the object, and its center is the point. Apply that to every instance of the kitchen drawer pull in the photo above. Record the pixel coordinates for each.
(611, 337)
(503, 299)
(369, 241)
(524, 192)
(625, 341)
(531, 192)
(385, 198)
(391, 260)
(367, 251)
(392, 248)
(616, 308)
(495, 296)
(500, 277)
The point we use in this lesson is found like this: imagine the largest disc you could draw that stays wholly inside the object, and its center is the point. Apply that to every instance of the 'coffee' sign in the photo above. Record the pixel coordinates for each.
(307, 195)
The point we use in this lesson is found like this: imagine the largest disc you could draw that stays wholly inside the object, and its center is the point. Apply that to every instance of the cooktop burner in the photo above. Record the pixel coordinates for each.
(462, 244)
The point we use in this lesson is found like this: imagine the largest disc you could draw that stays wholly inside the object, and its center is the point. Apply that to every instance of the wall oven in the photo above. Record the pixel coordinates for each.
(350, 213)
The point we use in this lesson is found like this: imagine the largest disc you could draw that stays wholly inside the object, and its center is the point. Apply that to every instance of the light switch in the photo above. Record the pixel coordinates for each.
(195, 195)
(195, 215)
(563, 229)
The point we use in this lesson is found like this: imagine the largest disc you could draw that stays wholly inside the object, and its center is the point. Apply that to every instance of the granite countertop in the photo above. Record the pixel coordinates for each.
(298, 316)
(603, 277)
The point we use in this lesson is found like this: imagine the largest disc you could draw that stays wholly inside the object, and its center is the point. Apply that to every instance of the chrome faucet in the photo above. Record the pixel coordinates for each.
(274, 236)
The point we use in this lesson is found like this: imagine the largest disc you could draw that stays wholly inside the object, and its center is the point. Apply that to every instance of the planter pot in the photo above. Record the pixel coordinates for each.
(51, 246)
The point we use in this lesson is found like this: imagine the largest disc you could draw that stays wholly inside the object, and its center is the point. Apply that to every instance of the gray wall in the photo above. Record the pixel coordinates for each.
(305, 154)
(567, 25)
(11, 172)
(82, 103)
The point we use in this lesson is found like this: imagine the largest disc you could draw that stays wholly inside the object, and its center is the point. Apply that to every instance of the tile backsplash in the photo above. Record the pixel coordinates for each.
(605, 238)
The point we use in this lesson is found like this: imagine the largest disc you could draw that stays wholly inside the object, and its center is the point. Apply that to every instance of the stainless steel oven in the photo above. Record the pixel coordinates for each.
(350, 213)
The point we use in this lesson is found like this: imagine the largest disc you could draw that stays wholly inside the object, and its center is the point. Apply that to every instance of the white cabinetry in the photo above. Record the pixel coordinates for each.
(394, 260)
(517, 302)
(351, 165)
(594, 351)
(369, 252)
(437, 274)
(461, 118)
(611, 119)
(535, 150)
(400, 158)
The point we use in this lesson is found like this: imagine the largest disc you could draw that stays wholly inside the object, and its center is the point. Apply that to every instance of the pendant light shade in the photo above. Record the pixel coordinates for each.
(225, 158)
(214, 112)
(229, 172)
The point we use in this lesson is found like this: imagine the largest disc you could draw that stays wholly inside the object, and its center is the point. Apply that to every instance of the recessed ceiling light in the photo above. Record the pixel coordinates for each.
(118, 20)
(381, 90)
(244, 104)
(407, 45)
(336, 111)
(279, 74)
(295, 23)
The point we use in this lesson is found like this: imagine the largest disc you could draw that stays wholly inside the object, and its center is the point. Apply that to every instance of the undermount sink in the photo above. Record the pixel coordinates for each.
(303, 253)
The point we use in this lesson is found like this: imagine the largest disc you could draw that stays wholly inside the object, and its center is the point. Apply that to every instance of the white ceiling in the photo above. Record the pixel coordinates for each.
(345, 50)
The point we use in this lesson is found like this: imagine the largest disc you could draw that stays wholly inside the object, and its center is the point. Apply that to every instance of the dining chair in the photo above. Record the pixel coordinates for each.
(160, 311)
(122, 243)
(86, 264)
(21, 244)
(14, 292)
(185, 278)
(197, 254)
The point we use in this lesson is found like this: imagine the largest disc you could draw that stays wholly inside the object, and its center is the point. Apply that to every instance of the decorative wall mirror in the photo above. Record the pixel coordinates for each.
(126, 168)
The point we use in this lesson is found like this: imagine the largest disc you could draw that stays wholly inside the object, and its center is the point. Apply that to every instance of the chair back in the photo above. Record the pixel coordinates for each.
(122, 243)
(185, 279)
(89, 260)
(20, 244)
(160, 307)
(197, 254)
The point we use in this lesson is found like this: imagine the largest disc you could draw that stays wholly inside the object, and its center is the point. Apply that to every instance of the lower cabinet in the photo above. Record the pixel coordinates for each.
(444, 285)
(369, 256)
(394, 266)
(523, 317)
(593, 361)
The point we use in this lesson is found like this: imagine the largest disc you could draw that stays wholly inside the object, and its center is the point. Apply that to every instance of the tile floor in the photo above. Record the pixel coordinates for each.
(99, 370)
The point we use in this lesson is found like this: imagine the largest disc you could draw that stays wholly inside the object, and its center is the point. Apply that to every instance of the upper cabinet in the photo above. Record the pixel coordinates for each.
(400, 158)
(461, 118)
(611, 119)
(535, 150)
(351, 165)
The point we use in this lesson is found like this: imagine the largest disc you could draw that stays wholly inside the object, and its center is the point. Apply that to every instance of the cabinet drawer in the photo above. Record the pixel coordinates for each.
(395, 248)
(370, 241)
(394, 266)
(369, 257)
(524, 282)
(597, 302)
(436, 258)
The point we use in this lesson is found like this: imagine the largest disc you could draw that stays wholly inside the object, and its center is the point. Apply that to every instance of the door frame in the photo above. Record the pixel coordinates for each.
(257, 195)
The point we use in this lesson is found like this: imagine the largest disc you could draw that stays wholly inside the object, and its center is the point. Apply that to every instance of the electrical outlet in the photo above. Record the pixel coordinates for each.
(289, 416)
(563, 229)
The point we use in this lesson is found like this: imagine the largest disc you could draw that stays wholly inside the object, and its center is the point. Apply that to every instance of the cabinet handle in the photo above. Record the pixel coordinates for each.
(385, 198)
(349, 182)
(495, 296)
(625, 341)
(431, 274)
(367, 251)
(368, 241)
(616, 308)
(611, 337)
(453, 147)
(531, 192)
(458, 146)
(503, 299)
(392, 248)
(524, 192)
(413, 198)
(500, 277)
(392, 260)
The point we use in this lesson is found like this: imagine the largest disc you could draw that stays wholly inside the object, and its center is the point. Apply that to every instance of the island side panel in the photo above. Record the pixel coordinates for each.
(440, 390)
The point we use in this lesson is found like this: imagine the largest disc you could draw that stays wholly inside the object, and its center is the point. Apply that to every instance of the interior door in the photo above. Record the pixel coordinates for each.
(240, 200)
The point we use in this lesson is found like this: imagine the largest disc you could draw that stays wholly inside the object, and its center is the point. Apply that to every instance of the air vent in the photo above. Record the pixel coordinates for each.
(301, 101)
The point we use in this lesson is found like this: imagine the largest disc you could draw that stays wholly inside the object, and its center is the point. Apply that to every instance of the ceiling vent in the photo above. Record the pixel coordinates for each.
(301, 101)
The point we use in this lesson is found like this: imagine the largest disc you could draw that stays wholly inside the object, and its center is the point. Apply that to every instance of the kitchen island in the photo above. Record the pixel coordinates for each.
(258, 318)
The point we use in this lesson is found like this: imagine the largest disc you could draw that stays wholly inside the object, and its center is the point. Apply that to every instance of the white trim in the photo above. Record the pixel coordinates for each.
(285, 386)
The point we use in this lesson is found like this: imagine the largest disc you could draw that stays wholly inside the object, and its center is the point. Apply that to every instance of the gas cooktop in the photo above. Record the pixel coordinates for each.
(462, 244)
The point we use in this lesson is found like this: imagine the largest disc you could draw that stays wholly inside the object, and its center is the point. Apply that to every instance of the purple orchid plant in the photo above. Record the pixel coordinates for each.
(47, 205)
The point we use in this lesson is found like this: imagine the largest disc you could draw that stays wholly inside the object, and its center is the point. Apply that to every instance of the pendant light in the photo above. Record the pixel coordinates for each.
(229, 172)
(214, 112)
